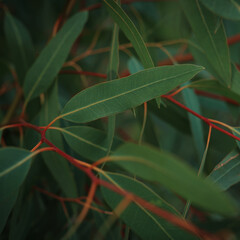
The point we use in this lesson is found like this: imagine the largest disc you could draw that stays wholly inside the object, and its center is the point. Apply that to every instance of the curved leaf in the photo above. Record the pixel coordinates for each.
(131, 32)
(227, 172)
(20, 45)
(153, 165)
(141, 221)
(88, 142)
(121, 94)
(14, 166)
(42, 73)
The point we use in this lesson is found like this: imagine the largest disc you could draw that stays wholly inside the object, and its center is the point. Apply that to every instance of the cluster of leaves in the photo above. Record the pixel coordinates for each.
(101, 140)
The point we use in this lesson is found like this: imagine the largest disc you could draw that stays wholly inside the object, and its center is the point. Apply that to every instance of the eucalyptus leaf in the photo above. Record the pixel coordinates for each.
(57, 165)
(43, 71)
(141, 221)
(14, 166)
(227, 172)
(88, 142)
(153, 165)
(131, 32)
(119, 95)
(20, 45)
(211, 38)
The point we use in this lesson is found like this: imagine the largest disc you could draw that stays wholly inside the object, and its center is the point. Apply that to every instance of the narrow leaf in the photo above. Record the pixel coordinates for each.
(113, 74)
(141, 221)
(235, 80)
(88, 142)
(131, 32)
(20, 45)
(227, 172)
(43, 71)
(14, 166)
(229, 9)
(121, 94)
(191, 101)
(57, 165)
(212, 41)
(153, 165)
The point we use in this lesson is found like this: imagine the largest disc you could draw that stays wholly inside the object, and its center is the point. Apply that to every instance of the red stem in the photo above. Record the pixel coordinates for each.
(206, 120)
(215, 96)
(100, 75)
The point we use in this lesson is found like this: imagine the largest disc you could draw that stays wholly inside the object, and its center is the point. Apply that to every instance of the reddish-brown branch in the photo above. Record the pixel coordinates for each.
(162, 213)
(218, 97)
(178, 58)
(100, 75)
(233, 39)
(206, 120)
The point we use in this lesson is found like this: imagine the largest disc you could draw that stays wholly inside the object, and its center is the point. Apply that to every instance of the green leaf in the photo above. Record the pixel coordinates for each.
(114, 55)
(227, 172)
(43, 71)
(235, 80)
(212, 86)
(229, 9)
(118, 95)
(19, 44)
(14, 166)
(88, 142)
(236, 132)
(131, 32)
(212, 41)
(192, 102)
(134, 65)
(57, 165)
(153, 165)
(147, 129)
(113, 74)
(144, 223)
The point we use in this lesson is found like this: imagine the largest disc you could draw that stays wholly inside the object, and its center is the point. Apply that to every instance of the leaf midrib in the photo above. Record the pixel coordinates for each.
(124, 93)
(50, 61)
(136, 40)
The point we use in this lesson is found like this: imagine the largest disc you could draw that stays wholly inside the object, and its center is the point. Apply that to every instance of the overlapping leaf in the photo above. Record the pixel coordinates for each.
(118, 95)
(14, 166)
(140, 220)
(153, 165)
(227, 172)
(88, 142)
(229, 9)
(43, 71)
(211, 38)
(57, 165)
(19, 44)
(131, 32)
(192, 102)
